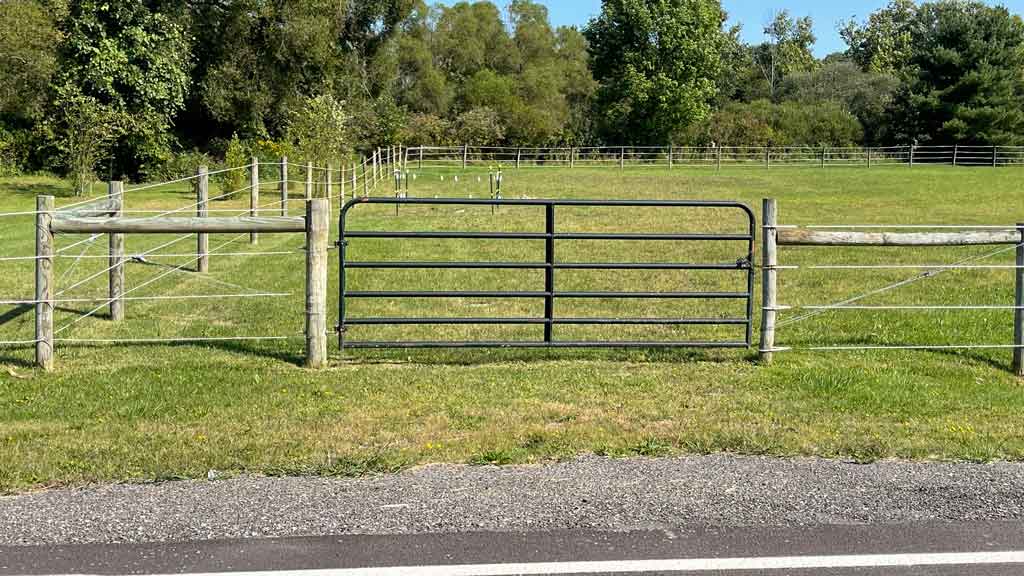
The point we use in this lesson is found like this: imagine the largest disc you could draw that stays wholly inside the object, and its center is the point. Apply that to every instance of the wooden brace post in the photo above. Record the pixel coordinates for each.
(116, 256)
(44, 282)
(769, 277)
(317, 232)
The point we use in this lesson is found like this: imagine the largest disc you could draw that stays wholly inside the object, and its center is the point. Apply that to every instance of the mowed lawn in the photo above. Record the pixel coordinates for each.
(177, 410)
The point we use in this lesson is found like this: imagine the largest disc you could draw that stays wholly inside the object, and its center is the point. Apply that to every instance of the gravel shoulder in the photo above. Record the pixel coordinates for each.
(591, 493)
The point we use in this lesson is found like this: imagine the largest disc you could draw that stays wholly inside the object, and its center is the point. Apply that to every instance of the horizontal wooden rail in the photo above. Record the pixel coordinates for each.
(101, 207)
(269, 224)
(801, 237)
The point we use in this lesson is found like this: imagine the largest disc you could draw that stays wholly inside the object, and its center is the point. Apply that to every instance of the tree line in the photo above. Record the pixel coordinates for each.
(150, 88)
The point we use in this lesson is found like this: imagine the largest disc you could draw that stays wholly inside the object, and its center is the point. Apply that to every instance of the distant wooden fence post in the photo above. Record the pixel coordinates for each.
(912, 147)
(44, 282)
(994, 155)
(769, 290)
(465, 155)
(1018, 313)
(284, 186)
(823, 152)
(254, 196)
(767, 157)
(671, 153)
(202, 209)
(868, 152)
(115, 291)
(317, 231)
(956, 153)
(718, 158)
(572, 157)
(355, 180)
(419, 164)
(622, 158)
(519, 157)
(329, 182)
(309, 180)
(341, 182)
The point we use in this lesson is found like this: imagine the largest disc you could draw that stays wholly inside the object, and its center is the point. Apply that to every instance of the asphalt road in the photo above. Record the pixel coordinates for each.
(561, 552)
(707, 515)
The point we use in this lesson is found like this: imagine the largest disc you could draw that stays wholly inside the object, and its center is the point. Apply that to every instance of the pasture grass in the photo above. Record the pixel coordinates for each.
(165, 411)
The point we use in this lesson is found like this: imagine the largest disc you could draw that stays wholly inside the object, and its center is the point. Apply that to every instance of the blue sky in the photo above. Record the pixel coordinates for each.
(754, 14)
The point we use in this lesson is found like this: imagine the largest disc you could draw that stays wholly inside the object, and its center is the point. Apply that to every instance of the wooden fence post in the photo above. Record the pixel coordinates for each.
(366, 186)
(465, 155)
(341, 182)
(284, 186)
(309, 180)
(622, 158)
(823, 152)
(519, 156)
(572, 157)
(254, 197)
(328, 182)
(868, 152)
(767, 157)
(115, 289)
(912, 147)
(355, 180)
(718, 158)
(994, 155)
(202, 209)
(671, 153)
(956, 152)
(1018, 313)
(420, 161)
(44, 282)
(769, 290)
(317, 231)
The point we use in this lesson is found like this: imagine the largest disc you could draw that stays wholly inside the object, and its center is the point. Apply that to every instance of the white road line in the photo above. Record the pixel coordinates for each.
(677, 565)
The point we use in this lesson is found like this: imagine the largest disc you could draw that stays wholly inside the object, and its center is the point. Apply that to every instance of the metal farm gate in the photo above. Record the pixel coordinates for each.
(549, 292)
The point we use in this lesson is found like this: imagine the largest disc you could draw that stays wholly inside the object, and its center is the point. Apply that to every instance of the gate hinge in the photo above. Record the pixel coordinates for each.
(744, 263)
(341, 243)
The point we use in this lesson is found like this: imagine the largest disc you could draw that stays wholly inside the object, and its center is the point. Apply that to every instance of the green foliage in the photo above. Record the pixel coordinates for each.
(478, 127)
(763, 123)
(83, 130)
(237, 154)
(319, 131)
(866, 95)
(426, 130)
(656, 62)
(179, 165)
(28, 58)
(787, 51)
(963, 80)
(132, 62)
(883, 43)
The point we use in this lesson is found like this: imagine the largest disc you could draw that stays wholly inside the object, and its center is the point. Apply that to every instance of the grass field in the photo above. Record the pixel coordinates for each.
(161, 411)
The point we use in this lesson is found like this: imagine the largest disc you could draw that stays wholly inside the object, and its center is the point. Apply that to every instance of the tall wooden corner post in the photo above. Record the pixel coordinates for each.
(318, 223)
(769, 277)
(116, 255)
(44, 282)
(1018, 312)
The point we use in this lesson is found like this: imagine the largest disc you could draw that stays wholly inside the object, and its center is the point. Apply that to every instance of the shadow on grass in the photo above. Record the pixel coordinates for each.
(240, 348)
(484, 356)
(49, 188)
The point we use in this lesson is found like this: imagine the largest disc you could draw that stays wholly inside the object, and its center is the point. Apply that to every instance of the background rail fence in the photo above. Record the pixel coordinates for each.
(1008, 238)
(423, 158)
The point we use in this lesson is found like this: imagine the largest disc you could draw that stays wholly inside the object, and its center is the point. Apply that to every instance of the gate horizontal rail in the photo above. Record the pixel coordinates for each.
(549, 294)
